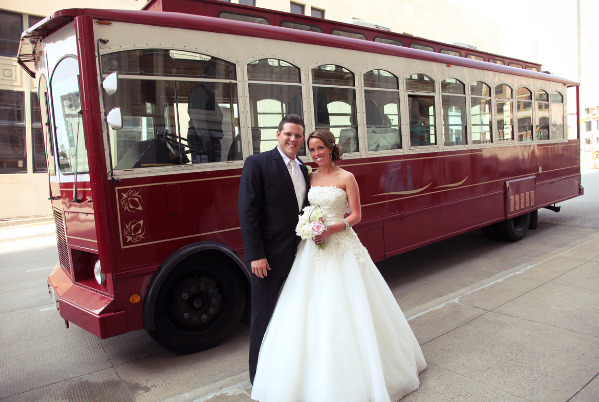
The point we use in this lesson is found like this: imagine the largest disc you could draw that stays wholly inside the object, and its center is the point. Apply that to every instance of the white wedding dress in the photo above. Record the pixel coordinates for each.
(337, 333)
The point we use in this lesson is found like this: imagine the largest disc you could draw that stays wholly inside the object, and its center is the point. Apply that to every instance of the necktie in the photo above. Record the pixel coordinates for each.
(293, 173)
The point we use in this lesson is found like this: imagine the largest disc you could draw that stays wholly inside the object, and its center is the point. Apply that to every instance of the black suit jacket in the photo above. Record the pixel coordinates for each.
(268, 211)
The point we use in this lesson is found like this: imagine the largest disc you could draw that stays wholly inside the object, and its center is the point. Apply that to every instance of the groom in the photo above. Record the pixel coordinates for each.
(273, 190)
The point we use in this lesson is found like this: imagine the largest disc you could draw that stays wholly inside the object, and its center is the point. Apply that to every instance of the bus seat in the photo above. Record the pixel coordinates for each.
(348, 140)
(235, 152)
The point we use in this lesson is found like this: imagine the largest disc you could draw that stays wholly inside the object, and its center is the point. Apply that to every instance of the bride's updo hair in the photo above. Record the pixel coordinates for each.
(329, 141)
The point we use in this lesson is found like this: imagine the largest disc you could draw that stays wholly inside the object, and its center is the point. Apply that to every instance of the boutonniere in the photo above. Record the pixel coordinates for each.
(309, 169)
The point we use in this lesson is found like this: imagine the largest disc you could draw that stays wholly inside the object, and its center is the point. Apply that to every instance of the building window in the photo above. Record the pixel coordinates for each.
(296, 8)
(587, 125)
(13, 151)
(11, 26)
(248, 3)
(317, 12)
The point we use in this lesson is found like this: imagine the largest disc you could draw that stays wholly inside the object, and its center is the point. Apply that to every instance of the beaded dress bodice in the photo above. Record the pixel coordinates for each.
(332, 200)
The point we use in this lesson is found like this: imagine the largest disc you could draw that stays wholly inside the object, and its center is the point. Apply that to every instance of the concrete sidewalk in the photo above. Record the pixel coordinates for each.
(26, 228)
(528, 334)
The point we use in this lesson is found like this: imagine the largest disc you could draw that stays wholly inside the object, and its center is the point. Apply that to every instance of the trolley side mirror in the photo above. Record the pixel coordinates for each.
(114, 119)
(110, 83)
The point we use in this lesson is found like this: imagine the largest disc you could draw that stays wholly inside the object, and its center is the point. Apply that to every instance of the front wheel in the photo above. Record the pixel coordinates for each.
(199, 305)
(515, 228)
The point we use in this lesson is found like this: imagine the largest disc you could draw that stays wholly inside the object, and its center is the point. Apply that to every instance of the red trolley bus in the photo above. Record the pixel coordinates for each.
(148, 117)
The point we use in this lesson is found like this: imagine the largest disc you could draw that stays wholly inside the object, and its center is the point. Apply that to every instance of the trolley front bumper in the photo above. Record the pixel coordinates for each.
(85, 307)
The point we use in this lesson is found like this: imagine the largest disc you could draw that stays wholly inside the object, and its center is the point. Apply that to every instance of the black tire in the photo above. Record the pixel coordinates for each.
(515, 228)
(199, 305)
(534, 220)
(491, 231)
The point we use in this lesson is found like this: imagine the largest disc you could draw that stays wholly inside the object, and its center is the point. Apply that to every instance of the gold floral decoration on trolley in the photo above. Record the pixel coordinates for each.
(406, 192)
(419, 190)
(131, 201)
(453, 184)
(134, 231)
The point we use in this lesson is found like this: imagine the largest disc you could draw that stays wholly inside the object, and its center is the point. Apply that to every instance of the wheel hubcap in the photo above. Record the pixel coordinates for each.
(195, 301)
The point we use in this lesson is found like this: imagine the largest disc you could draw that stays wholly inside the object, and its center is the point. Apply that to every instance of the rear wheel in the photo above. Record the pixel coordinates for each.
(515, 228)
(199, 305)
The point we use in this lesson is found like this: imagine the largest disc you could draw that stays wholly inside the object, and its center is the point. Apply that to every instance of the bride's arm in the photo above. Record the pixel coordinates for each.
(353, 198)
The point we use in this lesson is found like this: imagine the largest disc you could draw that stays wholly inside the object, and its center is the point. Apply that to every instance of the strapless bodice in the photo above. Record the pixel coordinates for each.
(331, 199)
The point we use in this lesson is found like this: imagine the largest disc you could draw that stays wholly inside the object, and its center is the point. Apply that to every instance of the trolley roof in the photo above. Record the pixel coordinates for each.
(31, 39)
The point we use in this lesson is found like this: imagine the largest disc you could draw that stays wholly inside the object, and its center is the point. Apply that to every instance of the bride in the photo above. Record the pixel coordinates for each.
(337, 333)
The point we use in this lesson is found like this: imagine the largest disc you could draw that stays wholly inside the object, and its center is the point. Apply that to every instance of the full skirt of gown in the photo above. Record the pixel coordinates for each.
(337, 333)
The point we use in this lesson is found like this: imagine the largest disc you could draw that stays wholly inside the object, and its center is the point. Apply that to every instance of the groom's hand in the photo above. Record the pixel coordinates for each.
(260, 268)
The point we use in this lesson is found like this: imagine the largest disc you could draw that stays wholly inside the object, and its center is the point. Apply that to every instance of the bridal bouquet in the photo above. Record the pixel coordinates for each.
(312, 222)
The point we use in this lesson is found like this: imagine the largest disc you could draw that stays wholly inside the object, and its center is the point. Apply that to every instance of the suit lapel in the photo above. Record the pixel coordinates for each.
(307, 179)
(305, 172)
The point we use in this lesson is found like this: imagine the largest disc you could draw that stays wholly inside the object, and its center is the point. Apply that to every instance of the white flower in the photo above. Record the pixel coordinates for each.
(311, 223)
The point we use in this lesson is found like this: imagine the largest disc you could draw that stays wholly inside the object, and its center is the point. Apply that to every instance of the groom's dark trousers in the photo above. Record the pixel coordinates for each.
(268, 212)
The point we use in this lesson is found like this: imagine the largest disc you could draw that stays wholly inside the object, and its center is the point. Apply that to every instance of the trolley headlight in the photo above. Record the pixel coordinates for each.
(100, 277)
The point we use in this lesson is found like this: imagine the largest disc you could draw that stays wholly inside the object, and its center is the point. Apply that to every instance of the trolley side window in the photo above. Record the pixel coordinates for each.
(480, 110)
(275, 91)
(524, 107)
(178, 107)
(453, 112)
(334, 97)
(421, 109)
(68, 117)
(505, 112)
(557, 116)
(381, 90)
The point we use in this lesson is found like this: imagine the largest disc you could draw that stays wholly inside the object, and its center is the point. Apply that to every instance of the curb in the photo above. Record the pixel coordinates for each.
(454, 297)
(11, 222)
(238, 384)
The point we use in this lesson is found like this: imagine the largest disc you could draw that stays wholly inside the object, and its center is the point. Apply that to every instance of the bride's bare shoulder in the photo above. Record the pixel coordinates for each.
(346, 175)
(347, 178)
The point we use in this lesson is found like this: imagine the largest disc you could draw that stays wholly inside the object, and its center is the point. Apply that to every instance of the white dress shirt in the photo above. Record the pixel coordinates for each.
(299, 183)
